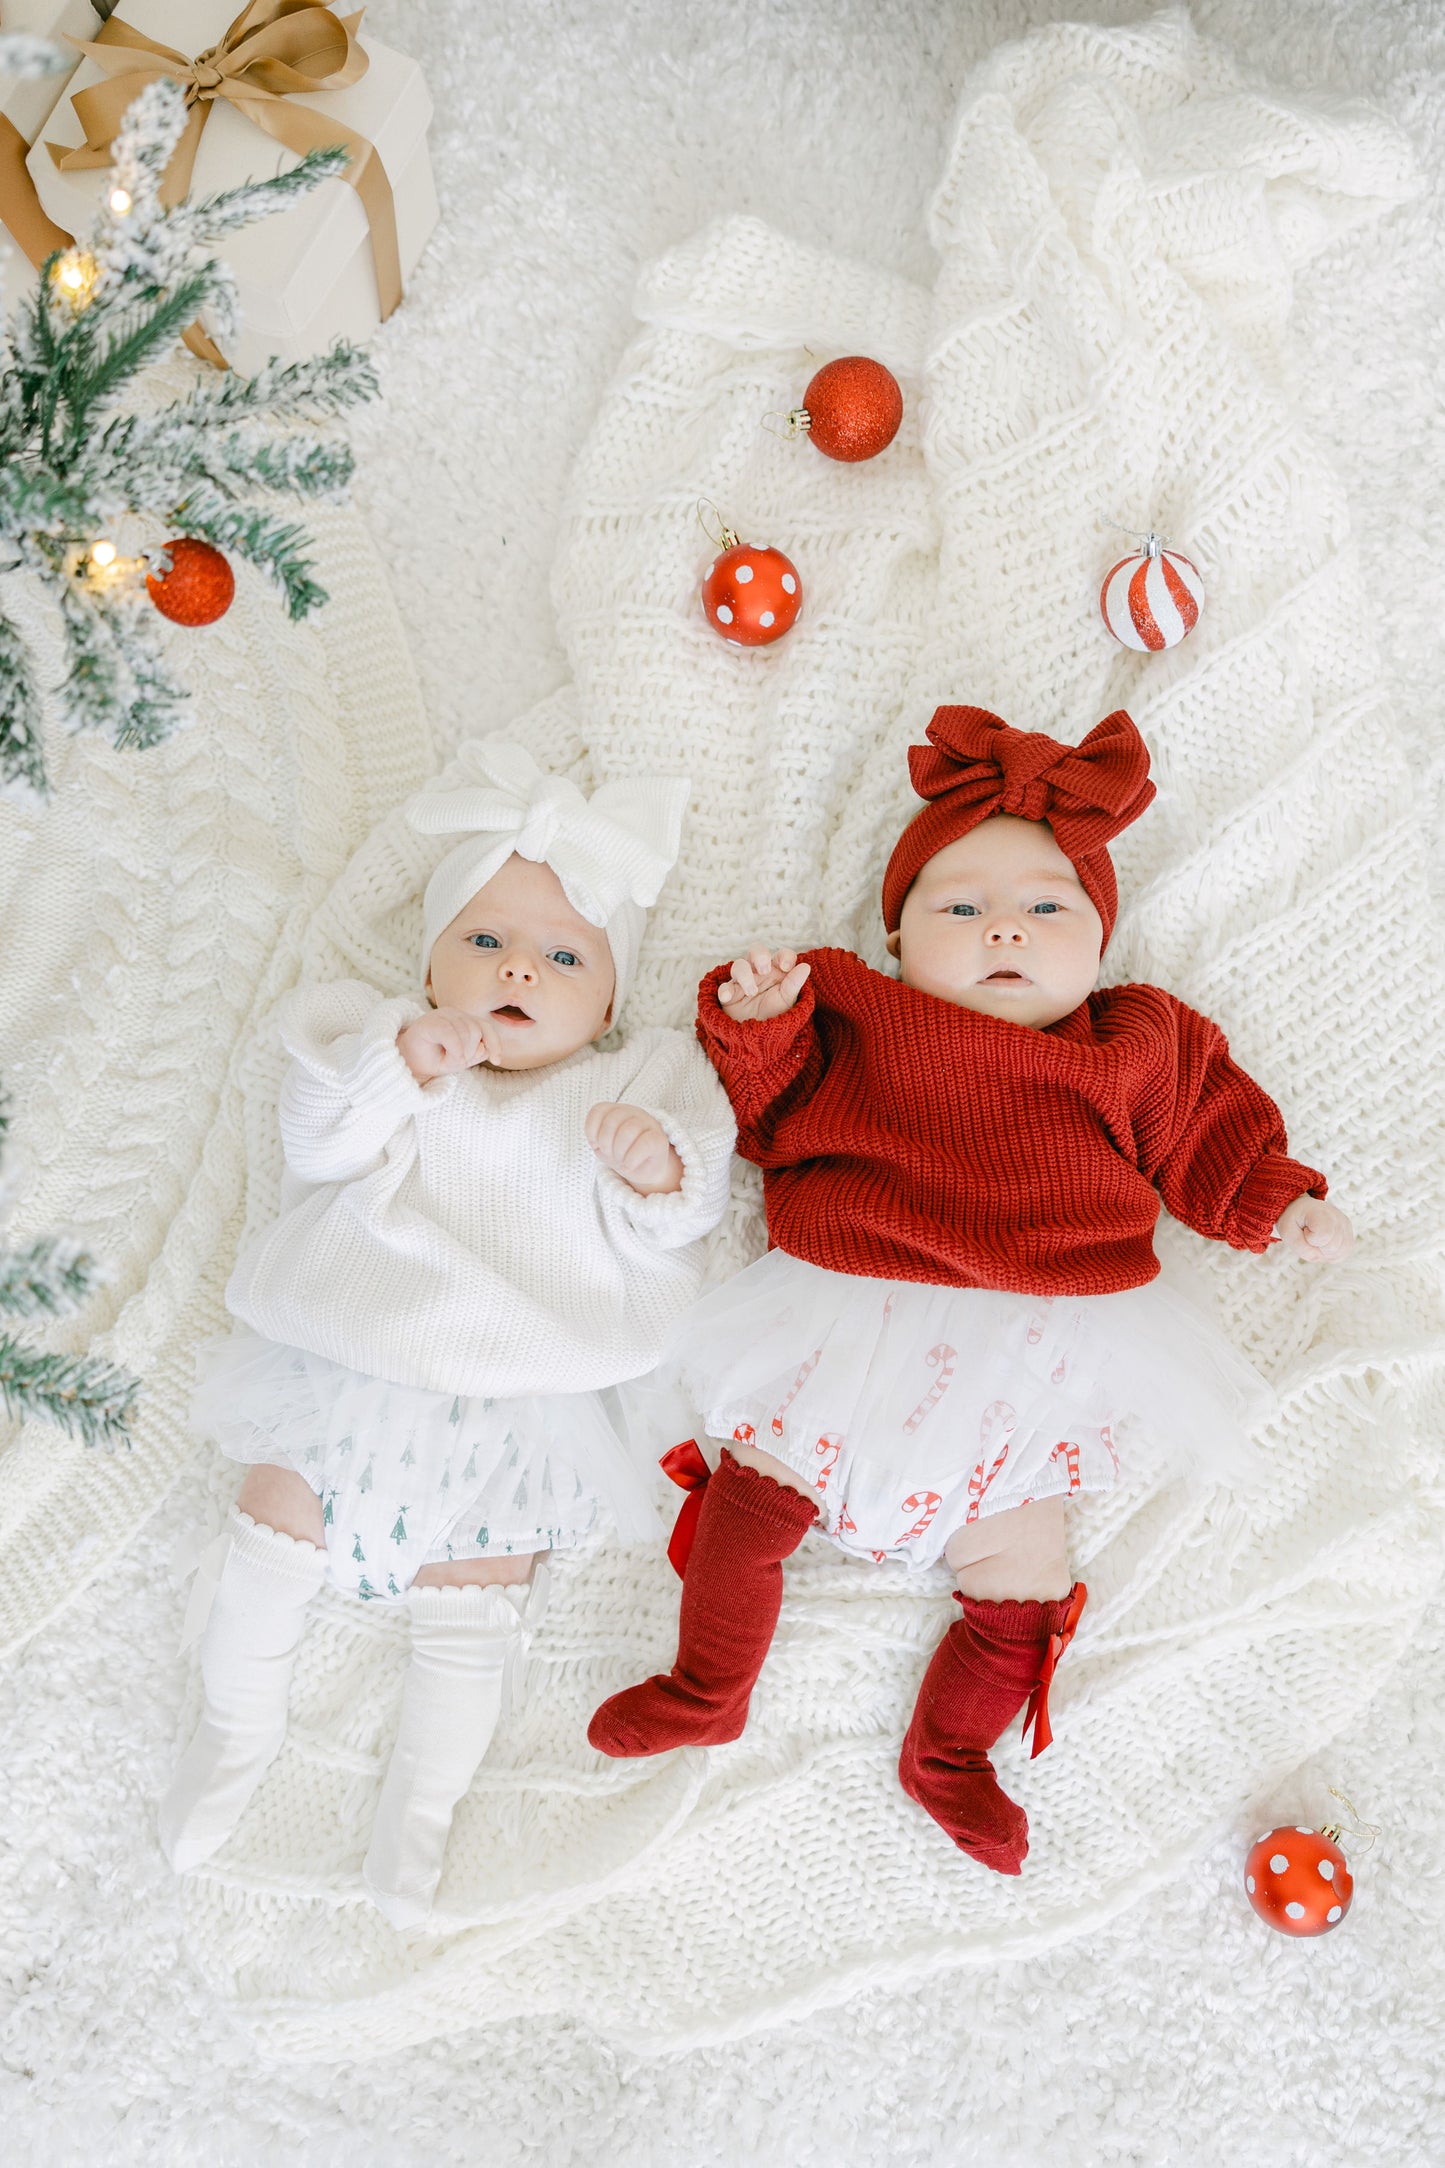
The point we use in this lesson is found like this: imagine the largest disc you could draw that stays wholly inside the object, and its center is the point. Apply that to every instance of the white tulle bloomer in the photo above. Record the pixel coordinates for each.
(407, 1477)
(913, 1409)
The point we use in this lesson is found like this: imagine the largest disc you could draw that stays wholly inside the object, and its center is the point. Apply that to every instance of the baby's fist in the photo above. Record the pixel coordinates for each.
(635, 1145)
(444, 1041)
(1315, 1230)
(763, 984)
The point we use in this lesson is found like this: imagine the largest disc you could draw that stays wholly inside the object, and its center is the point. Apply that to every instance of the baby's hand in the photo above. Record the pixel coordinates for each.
(1315, 1230)
(634, 1145)
(763, 984)
(445, 1041)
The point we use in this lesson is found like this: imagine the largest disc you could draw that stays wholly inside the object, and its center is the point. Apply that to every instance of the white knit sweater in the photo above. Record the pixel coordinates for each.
(462, 1235)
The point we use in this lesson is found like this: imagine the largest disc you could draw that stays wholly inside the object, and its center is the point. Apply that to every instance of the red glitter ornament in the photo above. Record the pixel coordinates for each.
(199, 586)
(851, 409)
(751, 593)
(1298, 1880)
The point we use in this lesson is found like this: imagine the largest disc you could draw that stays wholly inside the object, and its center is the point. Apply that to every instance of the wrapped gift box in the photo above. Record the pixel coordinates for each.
(306, 275)
(29, 105)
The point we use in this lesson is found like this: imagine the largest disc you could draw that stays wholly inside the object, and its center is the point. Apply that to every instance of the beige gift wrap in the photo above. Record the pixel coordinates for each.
(310, 274)
(28, 106)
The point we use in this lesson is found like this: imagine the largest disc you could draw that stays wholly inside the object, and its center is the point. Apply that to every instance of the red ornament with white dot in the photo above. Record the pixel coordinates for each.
(751, 593)
(1299, 1881)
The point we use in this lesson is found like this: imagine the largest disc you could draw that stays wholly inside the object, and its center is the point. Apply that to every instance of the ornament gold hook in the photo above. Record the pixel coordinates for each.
(1334, 1831)
(724, 539)
(796, 423)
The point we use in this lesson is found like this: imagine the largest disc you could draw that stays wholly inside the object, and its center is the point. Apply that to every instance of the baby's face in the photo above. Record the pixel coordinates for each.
(520, 955)
(999, 921)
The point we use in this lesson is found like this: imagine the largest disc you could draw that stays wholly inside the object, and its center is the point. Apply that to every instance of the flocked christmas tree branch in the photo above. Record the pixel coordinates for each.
(76, 466)
(50, 1277)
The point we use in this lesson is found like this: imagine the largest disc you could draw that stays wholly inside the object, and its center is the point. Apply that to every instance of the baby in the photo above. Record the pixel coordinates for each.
(959, 1309)
(485, 1221)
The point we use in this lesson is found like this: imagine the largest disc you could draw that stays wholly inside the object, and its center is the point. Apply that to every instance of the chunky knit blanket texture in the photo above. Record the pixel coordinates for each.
(1116, 228)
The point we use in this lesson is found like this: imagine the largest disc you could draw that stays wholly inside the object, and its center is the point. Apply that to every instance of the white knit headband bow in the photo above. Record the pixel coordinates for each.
(610, 851)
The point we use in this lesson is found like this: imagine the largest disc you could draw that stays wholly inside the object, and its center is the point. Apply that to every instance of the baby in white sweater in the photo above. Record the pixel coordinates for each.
(486, 1222)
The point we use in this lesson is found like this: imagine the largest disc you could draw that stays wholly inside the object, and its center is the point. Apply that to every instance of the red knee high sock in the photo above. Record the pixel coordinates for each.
(982, 1673)
(731, 1594)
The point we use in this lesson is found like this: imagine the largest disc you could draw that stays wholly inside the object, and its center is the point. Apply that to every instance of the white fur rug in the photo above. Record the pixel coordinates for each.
(1181, 2030)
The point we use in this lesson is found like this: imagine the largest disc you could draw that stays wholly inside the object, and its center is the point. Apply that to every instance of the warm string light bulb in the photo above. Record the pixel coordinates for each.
(120, 201)
(75, 274)
(103, 570)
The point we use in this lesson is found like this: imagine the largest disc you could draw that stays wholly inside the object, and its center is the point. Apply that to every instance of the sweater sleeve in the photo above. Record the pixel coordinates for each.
(347, 1090)
(680, 1091)
(1220, 1159)
(768, 1066)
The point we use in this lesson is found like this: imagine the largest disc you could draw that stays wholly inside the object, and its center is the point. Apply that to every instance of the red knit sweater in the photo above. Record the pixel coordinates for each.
(905, 1138)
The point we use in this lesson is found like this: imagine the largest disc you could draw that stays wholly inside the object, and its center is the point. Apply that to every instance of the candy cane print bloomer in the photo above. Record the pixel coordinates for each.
(925, 1504)
(999, 1419)
(945, 1359)
(1070, 1452)
(827, 1450)
(776, 1421)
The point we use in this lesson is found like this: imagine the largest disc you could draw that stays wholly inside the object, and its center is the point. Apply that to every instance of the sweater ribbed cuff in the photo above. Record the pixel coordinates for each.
(758, 1043)
(1271, 1184)
(675, 1216)
(379, 1075)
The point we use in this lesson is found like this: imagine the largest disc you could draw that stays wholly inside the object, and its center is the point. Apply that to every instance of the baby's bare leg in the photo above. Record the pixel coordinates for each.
(766, 1464)
(1021, 1555)
(503, 1572)
(279, 1498)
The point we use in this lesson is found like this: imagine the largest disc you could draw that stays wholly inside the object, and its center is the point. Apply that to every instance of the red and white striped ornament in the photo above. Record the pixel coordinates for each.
(1152, 599)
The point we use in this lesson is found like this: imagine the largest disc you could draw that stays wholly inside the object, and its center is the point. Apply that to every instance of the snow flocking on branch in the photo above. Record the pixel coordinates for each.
(77, 463)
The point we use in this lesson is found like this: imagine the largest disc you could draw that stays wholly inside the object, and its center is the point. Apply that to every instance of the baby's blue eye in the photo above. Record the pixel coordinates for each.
(564, 956)
(1045, 907)
(484, 940)
(963, 910)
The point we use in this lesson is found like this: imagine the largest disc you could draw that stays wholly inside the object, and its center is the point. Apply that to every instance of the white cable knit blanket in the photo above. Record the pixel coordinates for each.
(152, 915)
(1116, 227)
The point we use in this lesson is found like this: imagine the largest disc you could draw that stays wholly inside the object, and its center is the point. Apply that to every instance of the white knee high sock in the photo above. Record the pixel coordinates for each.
(461, 1642)
(248, 1650)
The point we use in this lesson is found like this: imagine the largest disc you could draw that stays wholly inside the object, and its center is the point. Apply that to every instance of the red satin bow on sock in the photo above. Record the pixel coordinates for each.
(686, 1467)
(1037, 1712)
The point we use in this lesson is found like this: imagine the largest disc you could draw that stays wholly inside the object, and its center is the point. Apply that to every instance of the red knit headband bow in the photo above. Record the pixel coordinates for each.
(976, 765)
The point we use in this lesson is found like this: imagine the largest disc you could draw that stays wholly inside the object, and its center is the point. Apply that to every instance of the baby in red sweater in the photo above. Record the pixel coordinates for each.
(958, 1324)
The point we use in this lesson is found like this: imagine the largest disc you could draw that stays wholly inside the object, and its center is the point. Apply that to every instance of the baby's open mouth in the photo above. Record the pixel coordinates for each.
(512, 1014)
(1006, 978)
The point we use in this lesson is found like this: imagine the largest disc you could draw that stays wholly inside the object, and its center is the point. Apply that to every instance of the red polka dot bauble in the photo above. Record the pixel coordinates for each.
(751, 593)
(851, 409)
(1152, 600)
(1298, 1881)
(199, 586)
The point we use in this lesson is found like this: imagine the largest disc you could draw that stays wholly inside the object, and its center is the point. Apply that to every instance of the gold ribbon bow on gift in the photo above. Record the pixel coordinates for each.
(272, 50)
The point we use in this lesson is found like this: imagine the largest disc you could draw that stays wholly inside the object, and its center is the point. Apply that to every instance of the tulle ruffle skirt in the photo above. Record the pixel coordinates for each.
(408, 1477)
(914, 1409)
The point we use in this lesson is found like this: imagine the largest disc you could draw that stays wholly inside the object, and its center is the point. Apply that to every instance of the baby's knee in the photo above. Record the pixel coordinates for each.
(1021, 1555)
(752, 1456)
(505, 1571)
(279, 1498)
